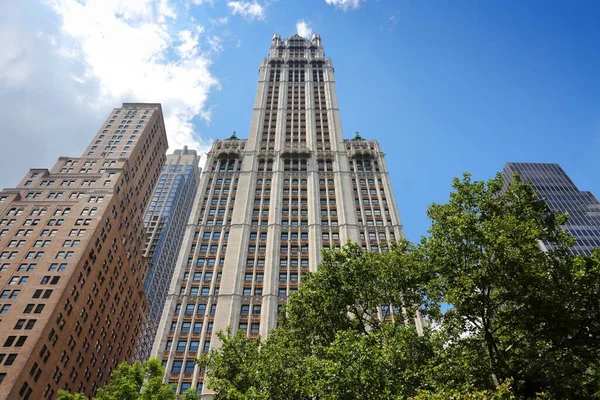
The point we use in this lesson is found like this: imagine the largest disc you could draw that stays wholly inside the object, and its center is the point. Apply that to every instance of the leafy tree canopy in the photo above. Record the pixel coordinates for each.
(137, 381)
(523, 322)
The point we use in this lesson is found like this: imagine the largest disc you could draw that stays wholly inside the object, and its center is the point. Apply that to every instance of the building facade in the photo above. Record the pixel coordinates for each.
(266, 206)
(165, 222)
(560, 193)
(71, 262)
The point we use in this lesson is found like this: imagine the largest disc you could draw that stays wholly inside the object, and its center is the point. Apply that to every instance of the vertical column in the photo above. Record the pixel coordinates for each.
(389, 192)
(268, 317)
(258, 111)
(232, 281)
(315, 240)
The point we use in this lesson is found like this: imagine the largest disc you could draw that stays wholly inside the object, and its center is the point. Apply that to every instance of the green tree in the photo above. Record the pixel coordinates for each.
(523, 322)
(137, 381)
(535, 314)
(190, 394)
(64, 395)
(331, 343)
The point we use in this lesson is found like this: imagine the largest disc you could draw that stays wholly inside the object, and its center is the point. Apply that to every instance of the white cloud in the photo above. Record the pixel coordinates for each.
(345, 4)
(248, 10)
(127, 47)
(15, 67)
(303, 29)
(215, 43)
(219, 21)
(188, 46)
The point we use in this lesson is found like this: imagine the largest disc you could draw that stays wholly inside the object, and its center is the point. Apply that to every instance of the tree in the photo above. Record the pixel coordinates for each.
(331, 343)
(535, 314)
(137, 381)
(190, 394)
(523, 322)
(64, 395)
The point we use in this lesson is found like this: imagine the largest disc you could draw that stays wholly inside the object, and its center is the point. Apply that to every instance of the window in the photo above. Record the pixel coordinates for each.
(10, 359)
(18, 280)
(184, 387)
(57, 267)
(64, 255)
(177, 366)
(189, 366)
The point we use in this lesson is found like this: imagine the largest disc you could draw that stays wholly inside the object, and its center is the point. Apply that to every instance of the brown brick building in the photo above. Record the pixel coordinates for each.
(71, 263)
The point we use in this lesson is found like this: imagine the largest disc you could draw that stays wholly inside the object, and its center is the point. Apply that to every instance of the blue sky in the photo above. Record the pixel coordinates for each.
(445, 86)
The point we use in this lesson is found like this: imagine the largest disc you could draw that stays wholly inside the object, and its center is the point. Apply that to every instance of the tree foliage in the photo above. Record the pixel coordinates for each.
(137, 381)
(522, 322)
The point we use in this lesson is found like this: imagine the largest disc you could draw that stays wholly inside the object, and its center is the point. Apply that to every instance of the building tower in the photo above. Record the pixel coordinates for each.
(267, 205)
(166, 219)
(554, 186)
(71, 262)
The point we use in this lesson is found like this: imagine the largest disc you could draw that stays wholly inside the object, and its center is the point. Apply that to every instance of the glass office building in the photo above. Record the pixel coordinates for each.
(165, 220)
(560, 193)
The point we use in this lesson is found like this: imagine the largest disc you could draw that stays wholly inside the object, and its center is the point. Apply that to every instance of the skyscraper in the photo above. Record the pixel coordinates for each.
(267, 205)
(71, 261)
(166, 218)
(554, 186)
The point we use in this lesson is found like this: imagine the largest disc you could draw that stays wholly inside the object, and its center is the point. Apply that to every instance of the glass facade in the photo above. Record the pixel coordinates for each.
(560, 193)
(165, 220)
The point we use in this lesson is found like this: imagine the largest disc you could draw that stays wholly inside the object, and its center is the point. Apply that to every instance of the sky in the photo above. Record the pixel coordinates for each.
(446, 87)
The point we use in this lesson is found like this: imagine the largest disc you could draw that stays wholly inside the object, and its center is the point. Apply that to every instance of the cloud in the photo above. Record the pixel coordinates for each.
(133, 51)
(303, 29)
(43, 115)
(15, 67)
(188, 43)
(345, 4)
(215, 43)
(248, 10)
(219, 21)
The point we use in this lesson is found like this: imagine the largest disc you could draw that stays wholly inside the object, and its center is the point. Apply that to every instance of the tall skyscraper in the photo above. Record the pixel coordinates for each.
(267, 205)
(71, 262)
(166, 218)
(554, 186)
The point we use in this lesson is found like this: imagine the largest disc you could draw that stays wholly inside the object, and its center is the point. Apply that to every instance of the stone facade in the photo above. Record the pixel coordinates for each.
(266, 206)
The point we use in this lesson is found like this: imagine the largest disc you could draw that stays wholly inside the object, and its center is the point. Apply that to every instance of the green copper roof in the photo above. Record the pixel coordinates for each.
(233, 137)
(358, 137)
